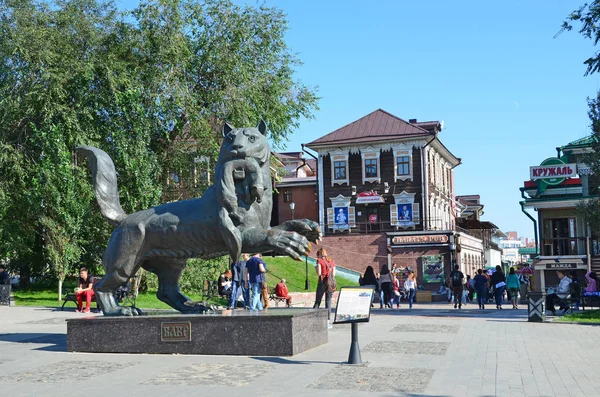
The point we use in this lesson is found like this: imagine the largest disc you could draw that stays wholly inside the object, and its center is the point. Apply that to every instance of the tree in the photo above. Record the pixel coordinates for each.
(588, 16)
(151, 87)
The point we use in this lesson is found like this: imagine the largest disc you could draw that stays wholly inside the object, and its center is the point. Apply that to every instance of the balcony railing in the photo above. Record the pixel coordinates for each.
(562, 246)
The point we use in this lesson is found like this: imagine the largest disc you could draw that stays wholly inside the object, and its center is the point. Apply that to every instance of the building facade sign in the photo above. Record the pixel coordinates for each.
(553, 171)
(426, 239)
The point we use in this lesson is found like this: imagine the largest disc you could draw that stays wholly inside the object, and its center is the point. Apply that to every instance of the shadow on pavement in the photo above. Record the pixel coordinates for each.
(56, 342)
(279, 360)
(455, 313)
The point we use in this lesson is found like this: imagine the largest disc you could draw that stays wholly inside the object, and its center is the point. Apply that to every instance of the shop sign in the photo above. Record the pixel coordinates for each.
(370, 197)
(426, 239)
(561, 266)
(553, 171)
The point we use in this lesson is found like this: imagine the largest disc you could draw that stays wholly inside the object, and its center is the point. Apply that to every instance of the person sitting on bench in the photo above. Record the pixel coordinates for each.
(281, 291)
(561, 293)
(224, 285)
(85, 288)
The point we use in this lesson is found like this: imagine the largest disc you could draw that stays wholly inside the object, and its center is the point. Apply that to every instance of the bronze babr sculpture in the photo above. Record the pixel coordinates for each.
(232, 216)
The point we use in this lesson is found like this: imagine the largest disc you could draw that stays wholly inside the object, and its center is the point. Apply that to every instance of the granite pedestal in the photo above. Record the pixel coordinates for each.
(273, 332)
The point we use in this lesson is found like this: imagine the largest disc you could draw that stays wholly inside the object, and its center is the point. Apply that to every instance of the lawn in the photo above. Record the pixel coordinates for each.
(587, 316)
(277, 268)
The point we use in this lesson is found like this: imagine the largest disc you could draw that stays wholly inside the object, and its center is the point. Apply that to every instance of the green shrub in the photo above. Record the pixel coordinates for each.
(193, 276)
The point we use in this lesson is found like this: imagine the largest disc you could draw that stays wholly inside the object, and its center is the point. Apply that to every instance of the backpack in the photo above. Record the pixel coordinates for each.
(456, 278)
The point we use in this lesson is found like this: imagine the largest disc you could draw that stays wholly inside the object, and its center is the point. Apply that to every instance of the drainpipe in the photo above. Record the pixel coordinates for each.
(425, 181)
(535, 229)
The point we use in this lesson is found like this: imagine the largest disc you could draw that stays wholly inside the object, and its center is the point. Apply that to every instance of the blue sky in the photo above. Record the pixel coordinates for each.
(508, 91)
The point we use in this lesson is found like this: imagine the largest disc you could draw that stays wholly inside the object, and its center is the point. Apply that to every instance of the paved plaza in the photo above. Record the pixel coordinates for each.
(432, 350)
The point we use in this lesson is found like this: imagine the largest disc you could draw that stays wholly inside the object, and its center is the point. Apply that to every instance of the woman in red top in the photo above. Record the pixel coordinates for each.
(325, 268)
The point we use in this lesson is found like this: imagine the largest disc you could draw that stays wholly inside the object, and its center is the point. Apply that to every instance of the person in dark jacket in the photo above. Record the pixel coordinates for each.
(370, 280)
(498, 281)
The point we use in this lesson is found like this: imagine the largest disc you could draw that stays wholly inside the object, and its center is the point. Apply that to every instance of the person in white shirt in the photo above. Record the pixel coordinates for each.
(410, 285)
(562, 291)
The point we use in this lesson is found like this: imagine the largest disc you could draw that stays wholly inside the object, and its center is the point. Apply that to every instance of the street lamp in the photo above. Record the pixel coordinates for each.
(292, 206)
(307, 282)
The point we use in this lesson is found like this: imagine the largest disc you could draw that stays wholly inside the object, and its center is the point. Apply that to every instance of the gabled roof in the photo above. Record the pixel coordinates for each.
(583, 142)
(376, 126)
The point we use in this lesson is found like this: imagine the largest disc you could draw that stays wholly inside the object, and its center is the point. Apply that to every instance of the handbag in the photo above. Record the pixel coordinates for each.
(397, 293)
(329, 281)
(500, 284)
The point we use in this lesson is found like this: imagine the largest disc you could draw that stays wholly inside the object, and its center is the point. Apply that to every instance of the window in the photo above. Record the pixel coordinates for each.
(402, 165)
(287, 196)
(339, 170)
(371, 168)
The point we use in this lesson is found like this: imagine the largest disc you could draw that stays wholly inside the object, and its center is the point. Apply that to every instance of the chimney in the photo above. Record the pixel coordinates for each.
(412, 121)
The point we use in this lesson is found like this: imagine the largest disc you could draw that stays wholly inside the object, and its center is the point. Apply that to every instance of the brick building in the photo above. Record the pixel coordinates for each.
(386, 195)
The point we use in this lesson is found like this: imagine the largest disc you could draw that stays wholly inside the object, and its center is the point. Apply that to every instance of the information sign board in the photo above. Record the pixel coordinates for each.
(353, 305)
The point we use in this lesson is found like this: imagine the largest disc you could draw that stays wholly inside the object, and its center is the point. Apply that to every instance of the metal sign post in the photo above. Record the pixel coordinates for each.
(353, 307)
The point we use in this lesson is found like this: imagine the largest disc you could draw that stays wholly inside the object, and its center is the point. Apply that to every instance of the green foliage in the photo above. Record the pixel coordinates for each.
(193, 276)
(588, 16)
(152, 87)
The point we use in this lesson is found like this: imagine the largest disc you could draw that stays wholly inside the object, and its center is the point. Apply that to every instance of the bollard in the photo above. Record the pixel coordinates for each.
(536, 307)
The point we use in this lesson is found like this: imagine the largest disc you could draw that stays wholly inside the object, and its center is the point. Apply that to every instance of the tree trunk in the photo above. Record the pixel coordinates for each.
(60, 285)
(24, 275)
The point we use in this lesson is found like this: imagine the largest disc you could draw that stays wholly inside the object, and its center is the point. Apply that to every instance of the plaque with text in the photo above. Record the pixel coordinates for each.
(353, 305)
(176, 332)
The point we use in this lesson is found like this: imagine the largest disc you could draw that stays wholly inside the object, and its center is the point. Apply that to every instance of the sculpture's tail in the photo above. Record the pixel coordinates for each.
(104, 177)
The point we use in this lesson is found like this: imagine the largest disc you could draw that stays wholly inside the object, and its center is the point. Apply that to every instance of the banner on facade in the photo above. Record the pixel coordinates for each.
(433, 269)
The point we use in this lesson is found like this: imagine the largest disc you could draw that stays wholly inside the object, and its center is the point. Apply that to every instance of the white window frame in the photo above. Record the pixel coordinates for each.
(370, 153)
(403, 151)
(335, 156)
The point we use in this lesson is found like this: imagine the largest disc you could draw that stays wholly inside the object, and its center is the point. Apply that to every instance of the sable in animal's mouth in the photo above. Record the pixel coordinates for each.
(237, 154)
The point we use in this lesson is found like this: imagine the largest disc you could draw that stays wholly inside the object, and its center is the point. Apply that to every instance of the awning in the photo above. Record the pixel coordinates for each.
(369, 198)
(559, 264)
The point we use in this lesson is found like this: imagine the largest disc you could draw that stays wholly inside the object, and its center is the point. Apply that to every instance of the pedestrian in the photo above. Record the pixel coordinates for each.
(224, 285)
(456, 279)
(512, 285)
(498, 281)
(481, 287)
(592, 285)
(470, 288)
(370, 280)
(410, 285)
(396, 295)
(85, 289)
(255, 266)
(264, 290)
(238, 286)
(326, 273)
(385, 282)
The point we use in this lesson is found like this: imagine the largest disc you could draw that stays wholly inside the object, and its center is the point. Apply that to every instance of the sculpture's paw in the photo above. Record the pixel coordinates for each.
(191, 307)
(309, 229)
(123, 311)
(291, 243)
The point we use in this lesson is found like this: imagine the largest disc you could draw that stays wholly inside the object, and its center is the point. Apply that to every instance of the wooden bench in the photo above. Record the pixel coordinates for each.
(122, 295)
(273, 297)
(209, 290)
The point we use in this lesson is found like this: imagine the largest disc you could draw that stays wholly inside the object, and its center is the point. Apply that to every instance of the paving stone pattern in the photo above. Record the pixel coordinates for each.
(446, 329)
(62, 372)
(408, 347)
(232, 375)
(374, 379)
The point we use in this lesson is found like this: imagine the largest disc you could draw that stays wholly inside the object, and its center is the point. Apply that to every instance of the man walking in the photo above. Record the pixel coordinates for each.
(456, 279)
(238, 285)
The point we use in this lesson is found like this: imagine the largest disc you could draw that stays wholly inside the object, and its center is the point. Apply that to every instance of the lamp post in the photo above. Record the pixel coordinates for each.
(292, 207)
(307, 282)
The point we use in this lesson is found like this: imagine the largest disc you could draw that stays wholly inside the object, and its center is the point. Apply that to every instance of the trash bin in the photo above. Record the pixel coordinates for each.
(536, 307)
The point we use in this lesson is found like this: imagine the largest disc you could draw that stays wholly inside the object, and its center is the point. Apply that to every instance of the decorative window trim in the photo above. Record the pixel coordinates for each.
(408, 200)
(337, 203)
(339, 155)
(403, 151)
(370, 153)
